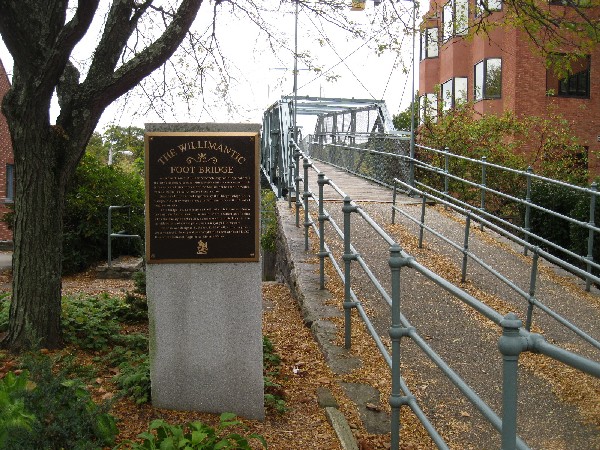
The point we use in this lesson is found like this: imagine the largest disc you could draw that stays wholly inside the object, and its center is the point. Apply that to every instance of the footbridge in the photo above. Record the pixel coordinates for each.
(478, 330)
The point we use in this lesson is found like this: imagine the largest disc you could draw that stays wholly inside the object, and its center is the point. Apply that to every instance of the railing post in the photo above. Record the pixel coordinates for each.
(528, 208)
(322, 181)
(532, 283)
(483, 185)
(306, 195)
(411, 164)
(510, 345)
(291, 185)
(394, 193)
(348, 256)
(297, 179)
(466, 247)
(396, 332)
(109, 237)
(590, 255)
(421, 226)
(446, 170)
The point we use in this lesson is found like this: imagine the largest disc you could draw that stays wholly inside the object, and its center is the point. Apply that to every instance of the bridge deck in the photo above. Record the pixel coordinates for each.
(357, 188)
(461, 337)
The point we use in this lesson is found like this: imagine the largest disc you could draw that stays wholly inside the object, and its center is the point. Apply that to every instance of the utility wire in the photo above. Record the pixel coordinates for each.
(342, 60)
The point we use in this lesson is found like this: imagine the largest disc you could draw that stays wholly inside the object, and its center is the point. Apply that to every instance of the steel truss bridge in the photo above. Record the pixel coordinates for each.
(338, 121)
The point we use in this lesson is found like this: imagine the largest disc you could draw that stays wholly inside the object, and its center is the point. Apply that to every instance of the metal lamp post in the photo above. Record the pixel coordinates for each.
(411, 173)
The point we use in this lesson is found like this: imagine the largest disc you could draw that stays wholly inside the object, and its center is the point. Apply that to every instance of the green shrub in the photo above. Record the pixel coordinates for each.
(4, 311)
(570, 203)
(64, 414)
(274, 394)
(93, 189)
(268, 236)
(133, 379)
(556, 198)
(196, 436)
(134, 309)
(90, 322)
(14, 418)
(579, 235)
(94, 322)
(139, 280)
(130, 346)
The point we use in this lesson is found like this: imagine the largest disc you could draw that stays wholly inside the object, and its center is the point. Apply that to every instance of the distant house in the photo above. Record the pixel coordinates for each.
(7, 167)
(498, 71)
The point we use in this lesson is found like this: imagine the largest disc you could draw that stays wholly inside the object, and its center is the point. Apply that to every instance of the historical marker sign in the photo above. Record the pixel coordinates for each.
(202, 197)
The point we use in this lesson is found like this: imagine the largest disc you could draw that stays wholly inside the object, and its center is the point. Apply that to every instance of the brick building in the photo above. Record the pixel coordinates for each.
(6, 163)
(498, 71)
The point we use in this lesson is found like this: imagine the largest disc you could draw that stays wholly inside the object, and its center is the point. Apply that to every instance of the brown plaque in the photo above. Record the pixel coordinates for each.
(202, 197)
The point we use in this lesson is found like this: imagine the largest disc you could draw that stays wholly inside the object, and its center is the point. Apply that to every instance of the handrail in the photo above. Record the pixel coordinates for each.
(529, 296)
(317, 148)
(513, 332)
(116, 235)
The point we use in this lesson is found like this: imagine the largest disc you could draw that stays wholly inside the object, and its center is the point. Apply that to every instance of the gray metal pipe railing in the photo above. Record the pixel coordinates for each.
(525, 243)
(112, 235)
(352, 302)
(529, 176)
(401, 327)
(528, 295)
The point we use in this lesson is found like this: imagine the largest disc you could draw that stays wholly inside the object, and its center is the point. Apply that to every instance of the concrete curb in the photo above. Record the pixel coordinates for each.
(341, 428)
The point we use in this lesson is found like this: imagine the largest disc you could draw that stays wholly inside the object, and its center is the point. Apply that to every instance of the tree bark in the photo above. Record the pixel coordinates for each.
(46, 156)
(37, 259)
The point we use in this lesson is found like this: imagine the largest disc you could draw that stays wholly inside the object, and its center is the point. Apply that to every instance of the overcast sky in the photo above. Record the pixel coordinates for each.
(262, 76)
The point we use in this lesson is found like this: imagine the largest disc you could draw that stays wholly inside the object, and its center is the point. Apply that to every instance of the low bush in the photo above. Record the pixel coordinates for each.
(569, 203)
(139, 280)
(94, 322)
(90, 322)
(196, 436)
(133, 379)
(274, 394)
(14, 417)
(54, 411)
(268, 235)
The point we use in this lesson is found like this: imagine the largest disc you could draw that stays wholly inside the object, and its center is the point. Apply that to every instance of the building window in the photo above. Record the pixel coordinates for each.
(428, 108)
(10, 182)
(488, 79)
(455, 18)
(454, 92)
(429, 43)
(485, 7)
(577, 84)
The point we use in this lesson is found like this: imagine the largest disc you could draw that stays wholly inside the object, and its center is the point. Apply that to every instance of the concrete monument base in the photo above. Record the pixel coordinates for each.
(206, 338)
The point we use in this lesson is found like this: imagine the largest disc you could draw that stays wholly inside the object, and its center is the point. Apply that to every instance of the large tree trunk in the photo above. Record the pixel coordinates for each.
(41, 41)
(37, 259)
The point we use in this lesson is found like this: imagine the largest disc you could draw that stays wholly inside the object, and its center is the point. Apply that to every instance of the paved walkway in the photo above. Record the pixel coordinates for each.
(457, 334)
(5, 260)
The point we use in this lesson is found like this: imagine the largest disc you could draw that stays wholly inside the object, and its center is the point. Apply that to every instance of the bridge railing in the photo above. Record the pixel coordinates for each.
(515, 339)
(471, 187)
(375, 156)
(527, 293)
